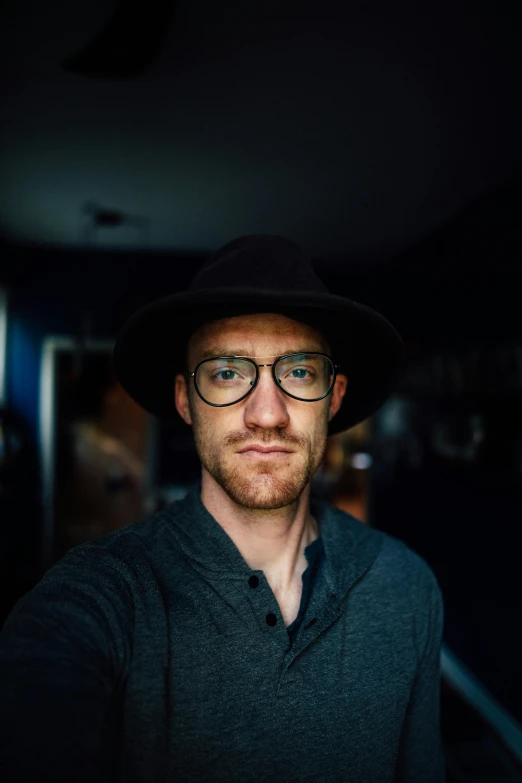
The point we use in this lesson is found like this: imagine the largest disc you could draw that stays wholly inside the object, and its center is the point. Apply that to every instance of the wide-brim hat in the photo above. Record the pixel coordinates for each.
(259, 274)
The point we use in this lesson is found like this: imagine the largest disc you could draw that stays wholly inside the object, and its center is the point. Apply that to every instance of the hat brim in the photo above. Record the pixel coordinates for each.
(151, 347)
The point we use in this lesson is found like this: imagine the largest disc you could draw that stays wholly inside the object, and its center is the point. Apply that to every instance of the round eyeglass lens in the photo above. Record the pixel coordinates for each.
(306, 376)
(223, 381)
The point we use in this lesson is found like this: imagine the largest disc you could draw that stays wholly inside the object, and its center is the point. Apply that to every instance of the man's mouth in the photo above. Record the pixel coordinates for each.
(265, 452)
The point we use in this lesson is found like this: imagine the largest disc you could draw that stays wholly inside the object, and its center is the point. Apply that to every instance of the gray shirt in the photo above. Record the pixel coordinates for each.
(156, 653)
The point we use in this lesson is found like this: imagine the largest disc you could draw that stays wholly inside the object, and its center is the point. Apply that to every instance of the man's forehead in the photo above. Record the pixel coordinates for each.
(255, 322)
(245, 335)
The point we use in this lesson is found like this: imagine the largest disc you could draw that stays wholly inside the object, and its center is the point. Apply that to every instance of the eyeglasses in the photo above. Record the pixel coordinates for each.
(225, 380)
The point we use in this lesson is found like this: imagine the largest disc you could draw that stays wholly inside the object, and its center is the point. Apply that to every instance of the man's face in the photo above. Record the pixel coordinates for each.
(266, 417)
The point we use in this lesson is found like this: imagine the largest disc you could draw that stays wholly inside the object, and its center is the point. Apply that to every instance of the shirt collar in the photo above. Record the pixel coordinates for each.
(350, 546)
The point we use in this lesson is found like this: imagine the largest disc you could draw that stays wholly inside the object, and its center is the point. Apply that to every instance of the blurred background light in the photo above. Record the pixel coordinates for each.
(361, 461)
(3, 344)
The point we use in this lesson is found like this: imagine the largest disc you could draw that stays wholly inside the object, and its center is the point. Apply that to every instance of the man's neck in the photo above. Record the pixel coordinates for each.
(272, 541)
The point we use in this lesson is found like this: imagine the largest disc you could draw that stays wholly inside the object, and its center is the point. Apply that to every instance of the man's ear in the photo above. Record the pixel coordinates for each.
(181, 397)
(338, 392)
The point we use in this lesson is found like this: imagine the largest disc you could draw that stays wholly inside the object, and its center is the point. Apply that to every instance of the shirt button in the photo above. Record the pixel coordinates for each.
(253, 581)
(271, 619)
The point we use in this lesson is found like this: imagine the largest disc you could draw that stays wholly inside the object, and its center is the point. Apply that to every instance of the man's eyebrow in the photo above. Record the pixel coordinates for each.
(213, 353)
(223, 351)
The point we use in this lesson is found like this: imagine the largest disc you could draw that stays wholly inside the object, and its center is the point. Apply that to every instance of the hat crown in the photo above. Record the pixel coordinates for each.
(260, 261)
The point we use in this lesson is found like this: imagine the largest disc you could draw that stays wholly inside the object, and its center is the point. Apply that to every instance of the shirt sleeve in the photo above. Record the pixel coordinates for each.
(63, 650)
(421, 754)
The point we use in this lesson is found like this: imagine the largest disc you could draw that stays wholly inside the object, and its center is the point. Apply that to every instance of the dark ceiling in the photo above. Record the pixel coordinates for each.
(353, 128)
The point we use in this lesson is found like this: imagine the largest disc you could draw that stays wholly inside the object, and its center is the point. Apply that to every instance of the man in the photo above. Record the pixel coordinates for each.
(248, 632)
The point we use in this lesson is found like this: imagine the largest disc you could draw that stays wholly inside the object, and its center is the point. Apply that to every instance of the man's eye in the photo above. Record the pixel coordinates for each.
(225, 375)
(298, 374)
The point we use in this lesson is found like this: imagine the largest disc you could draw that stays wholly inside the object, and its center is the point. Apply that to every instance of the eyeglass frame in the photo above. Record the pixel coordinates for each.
(254, 383)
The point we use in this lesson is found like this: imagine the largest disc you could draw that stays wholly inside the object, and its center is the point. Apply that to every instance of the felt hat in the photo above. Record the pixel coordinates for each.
(261, 273)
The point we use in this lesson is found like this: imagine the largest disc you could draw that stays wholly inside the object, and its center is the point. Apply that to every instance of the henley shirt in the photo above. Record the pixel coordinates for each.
(156, 653)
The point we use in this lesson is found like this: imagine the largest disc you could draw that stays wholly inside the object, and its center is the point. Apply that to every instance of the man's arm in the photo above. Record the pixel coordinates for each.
(62, 653)
(421, 754)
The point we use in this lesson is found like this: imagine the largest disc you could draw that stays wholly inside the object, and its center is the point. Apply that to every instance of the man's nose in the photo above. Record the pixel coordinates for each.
(266, 405)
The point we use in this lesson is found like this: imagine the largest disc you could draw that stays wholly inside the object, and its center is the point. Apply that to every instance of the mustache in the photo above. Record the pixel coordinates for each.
(267, 439)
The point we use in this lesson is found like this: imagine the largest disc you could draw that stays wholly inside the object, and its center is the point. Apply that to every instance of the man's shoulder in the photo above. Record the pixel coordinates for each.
(143, 539)
(400, 586)
(409, 577)
(396, 561)
(105, 570)
(399, 556)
